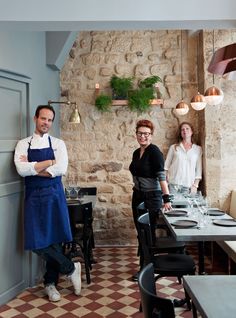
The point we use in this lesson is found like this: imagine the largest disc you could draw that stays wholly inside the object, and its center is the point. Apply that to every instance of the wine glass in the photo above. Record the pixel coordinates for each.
(67, 192)
(191, 202)
(204, 207)
(73, 192)
(176, 189)
(77, 190)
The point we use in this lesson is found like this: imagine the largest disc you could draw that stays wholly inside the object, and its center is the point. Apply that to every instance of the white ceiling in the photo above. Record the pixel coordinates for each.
(76, 15)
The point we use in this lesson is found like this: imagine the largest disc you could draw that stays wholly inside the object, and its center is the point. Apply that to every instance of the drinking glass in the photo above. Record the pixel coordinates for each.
(76, 191)
(177, 193)
(204, 205)
(191, 203)
(81, 194)
(72, 192)
(68, 191)
(201, 218)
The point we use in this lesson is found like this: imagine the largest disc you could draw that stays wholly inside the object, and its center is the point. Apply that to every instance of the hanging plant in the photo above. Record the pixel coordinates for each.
(121, 86)
(139, 99)
(103, 103)
(150, 81)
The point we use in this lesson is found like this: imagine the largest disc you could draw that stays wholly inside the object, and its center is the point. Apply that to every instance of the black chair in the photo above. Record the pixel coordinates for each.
(165, 244)
(88, 191)
(81, 219)
(170, 264)
(160, 221)
(153, 305)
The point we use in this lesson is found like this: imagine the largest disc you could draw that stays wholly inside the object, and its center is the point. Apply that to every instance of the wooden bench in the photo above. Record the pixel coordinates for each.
(229, 247)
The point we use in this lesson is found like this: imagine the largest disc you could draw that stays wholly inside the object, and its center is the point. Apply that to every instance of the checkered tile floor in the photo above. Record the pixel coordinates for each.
(111, 294)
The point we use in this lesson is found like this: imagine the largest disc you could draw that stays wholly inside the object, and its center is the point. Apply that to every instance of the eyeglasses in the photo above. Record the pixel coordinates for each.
(145, 134)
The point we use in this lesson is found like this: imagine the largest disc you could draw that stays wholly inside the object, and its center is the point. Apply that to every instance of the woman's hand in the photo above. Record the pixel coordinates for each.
(193, 189)
(167, 206)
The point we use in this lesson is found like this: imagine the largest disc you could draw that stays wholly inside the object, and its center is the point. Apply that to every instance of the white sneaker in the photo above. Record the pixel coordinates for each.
(76, 278)
(52, 292)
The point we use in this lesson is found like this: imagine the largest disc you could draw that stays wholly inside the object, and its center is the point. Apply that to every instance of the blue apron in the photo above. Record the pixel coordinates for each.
(46, 218)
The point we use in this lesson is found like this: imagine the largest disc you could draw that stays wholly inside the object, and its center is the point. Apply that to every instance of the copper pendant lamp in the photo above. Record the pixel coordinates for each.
(198, 102)
(181, 108)
(213, 95)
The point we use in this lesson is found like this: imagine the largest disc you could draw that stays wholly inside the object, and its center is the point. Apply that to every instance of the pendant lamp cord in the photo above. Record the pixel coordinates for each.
(181, 62)
(213, 48)
(198, 50)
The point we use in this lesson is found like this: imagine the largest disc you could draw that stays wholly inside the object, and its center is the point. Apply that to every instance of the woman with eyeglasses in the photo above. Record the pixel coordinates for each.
(147, 169)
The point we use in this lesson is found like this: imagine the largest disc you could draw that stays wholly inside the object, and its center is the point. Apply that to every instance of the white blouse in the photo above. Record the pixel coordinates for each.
(37, 142)
(184, 166)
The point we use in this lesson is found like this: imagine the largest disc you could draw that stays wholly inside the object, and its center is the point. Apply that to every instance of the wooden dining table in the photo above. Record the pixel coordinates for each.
(213, 296)
(211, 232)
(84, 199)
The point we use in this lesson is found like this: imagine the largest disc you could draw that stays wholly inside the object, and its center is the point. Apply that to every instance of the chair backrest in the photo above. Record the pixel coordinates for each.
(144, 232)
(88, 191)
(81, 214)
(152, 305)
(141, 209)
(232, 209)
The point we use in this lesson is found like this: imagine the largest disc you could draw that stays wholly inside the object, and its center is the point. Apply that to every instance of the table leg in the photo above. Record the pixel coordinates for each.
(194, 310)
(201, 253)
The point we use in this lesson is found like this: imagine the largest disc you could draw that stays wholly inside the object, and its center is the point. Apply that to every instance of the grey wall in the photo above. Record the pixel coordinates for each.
(25, 53)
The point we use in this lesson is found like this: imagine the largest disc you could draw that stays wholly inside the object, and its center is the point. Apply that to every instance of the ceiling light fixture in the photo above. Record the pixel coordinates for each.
(213, 95)
(198, 101)
(224, 60)
(181, 108)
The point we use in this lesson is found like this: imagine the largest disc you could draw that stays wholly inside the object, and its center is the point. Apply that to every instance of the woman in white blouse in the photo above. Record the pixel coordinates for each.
(183, 163)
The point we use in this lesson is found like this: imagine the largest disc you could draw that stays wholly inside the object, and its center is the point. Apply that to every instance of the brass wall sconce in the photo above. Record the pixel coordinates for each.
(75, 116)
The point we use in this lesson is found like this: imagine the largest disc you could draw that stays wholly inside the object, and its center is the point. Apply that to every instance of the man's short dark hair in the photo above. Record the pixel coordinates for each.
(44, 107)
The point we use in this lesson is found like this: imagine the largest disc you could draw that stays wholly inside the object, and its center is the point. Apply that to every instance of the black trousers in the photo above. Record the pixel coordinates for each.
(56, 263)
(153, 202)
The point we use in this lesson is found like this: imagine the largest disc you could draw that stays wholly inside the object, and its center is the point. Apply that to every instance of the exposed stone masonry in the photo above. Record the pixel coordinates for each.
(100, 148)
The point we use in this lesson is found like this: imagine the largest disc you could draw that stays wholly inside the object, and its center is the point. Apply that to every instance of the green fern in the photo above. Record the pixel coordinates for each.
(139, 99)
(150, 81)
(103, 103)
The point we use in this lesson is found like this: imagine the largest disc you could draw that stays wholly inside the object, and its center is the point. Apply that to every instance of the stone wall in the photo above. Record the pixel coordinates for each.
(219, 125)
(101, 147)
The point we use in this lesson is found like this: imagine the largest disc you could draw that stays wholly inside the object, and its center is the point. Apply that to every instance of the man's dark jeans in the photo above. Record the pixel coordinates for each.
(56, 263)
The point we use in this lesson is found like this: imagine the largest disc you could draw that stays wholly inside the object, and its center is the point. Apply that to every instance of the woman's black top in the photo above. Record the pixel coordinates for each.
(148, 170)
